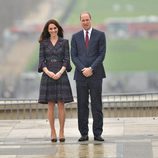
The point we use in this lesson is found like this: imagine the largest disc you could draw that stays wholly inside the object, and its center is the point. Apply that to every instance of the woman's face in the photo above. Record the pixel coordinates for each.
(53, 30)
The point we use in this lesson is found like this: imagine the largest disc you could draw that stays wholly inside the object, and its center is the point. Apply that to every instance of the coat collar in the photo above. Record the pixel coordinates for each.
(58, 44)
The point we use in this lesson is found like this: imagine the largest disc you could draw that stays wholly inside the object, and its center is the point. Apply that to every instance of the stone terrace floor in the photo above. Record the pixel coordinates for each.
(124, 138)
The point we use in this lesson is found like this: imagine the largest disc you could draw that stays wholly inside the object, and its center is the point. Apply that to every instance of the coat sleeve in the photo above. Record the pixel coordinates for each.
(101, 52)
(66, 60)
(74, 54)
(42, 60)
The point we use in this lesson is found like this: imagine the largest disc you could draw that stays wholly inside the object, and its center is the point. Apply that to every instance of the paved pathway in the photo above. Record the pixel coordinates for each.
(124, 138)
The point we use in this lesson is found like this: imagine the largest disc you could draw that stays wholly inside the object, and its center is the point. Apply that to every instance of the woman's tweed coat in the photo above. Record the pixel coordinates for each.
(54, 57)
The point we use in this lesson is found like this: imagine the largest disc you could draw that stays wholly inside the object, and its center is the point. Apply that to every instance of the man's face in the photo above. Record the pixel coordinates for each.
(85, 21)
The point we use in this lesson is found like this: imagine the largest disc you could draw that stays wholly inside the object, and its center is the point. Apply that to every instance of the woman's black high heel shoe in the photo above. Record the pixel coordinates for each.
(62, 139)
(53, 139)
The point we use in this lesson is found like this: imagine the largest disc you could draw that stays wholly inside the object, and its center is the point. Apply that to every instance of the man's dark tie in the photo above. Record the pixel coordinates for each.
(87, 39)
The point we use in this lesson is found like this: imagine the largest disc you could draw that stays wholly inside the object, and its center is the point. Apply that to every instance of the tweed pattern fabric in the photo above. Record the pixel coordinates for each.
(54, 57)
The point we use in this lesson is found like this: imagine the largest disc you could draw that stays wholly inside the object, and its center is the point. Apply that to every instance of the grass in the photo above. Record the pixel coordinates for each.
(103, 9)
(132, 55)
(33, 60)
(122, 55)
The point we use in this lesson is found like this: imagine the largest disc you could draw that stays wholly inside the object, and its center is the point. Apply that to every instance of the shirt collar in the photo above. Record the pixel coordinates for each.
(89, 32)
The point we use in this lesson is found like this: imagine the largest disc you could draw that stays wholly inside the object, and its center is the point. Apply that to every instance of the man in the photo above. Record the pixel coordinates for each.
(88, 52)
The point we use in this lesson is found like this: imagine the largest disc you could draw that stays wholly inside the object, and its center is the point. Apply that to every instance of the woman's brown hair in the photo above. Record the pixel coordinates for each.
(45, 34)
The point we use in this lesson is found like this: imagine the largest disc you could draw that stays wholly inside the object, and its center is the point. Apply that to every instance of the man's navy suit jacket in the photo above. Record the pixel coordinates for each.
(92, 56)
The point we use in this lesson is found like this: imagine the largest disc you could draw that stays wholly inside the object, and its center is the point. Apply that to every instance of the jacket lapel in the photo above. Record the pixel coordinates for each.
(92, 37)
(82, 40)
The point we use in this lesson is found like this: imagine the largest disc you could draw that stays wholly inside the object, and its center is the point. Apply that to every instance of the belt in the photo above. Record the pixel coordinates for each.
(55, 60)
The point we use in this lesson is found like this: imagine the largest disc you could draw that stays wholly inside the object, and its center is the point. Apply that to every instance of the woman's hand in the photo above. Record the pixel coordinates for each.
(53, 75)
(57, 75)
(50, 74)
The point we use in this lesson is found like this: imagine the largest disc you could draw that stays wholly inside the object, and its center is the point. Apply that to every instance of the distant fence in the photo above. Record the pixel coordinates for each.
(115, 105)
(131, 105)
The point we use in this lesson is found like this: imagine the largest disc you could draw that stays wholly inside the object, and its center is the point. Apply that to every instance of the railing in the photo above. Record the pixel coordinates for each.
(131, 105)
(115, 105)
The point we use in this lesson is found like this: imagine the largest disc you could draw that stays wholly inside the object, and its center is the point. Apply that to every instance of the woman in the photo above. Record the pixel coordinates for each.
(54, 59)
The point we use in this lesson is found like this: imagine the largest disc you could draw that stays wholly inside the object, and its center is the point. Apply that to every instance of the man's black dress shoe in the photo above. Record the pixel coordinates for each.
(83, 138)
(98, 138)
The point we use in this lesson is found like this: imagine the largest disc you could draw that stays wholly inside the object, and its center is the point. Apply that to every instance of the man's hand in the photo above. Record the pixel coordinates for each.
(87, 72)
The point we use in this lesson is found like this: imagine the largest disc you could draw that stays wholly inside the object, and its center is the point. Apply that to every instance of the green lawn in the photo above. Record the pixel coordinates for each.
(129, 54)
(122, 55)
(33, 62)
(103, 9)
(132, 55)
